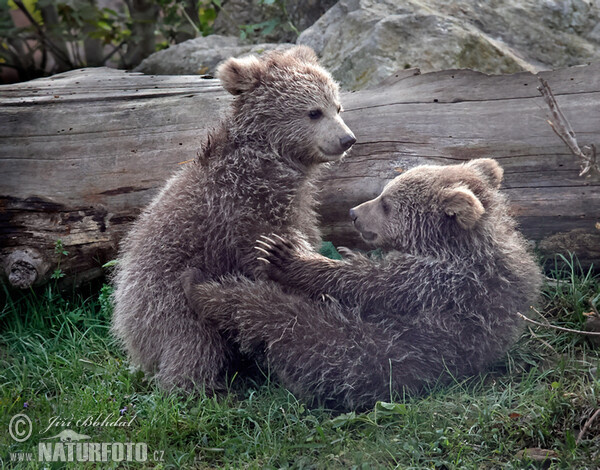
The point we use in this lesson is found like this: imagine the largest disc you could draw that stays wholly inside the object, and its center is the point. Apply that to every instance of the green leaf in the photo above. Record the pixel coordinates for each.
(108, 11)
(269, 26)
(57, 274)
(343, 419)
(329, 251)
(103, 25)
(383, 407)
(207, 16)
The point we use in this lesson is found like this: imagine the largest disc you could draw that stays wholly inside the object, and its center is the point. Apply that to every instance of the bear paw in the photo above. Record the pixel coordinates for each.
(276, 254)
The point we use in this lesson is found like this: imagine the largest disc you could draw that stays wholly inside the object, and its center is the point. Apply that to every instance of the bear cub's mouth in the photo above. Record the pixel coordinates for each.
(365, 234)
(333, 154)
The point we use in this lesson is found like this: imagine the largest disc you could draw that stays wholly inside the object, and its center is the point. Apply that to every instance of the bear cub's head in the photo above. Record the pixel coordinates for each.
(433, 206)
(287, 101)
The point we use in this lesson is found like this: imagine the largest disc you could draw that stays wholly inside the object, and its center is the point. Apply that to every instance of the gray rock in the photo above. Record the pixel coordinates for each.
(365, 41)
(200, 56)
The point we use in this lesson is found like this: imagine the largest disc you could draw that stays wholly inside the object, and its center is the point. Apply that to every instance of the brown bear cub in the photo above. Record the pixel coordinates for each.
(442, 302)
(254, 176)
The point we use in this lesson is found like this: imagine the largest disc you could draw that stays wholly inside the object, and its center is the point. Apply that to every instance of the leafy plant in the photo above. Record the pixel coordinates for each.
(280, 20)
(59, 35)
(60, 250)
(185, 20)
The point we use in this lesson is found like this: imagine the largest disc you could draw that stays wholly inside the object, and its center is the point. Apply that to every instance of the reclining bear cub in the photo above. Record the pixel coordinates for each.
(442, 302)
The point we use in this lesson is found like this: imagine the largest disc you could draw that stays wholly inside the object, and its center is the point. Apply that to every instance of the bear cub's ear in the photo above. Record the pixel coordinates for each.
(464, 206)
(489, 169)
(240, 75)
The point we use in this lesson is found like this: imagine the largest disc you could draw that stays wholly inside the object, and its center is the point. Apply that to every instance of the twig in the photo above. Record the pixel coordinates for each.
(554, 327)
(561, 127)
(544, 342)
(55, 49)
(191, 22)
(111, 53)
(587, 425)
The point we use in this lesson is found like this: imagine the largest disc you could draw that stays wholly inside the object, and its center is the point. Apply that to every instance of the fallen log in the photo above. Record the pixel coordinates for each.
(84, 151)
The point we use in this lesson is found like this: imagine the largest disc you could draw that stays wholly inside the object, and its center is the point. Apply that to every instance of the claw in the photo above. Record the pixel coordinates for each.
(270, 240)
(260, 249)
(263, 260)
(280, 238)
(263, 243)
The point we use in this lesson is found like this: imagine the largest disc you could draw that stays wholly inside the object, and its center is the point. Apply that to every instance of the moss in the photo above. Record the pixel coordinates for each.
(478, 54)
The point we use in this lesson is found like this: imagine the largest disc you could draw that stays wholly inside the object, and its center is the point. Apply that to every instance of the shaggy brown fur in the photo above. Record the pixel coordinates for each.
(254, 176)
(443, 299)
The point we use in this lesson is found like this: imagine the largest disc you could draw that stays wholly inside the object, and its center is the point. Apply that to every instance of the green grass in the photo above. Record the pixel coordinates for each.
(57, 359)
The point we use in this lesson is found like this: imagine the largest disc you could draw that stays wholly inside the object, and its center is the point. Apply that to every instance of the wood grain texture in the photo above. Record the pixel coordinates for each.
(82, 152)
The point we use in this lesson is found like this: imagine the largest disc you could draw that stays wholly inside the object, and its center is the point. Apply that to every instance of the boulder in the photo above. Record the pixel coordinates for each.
(365, 41)
(200, 56)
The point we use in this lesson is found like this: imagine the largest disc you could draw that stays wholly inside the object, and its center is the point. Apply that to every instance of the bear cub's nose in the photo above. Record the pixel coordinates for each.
(353, 215)
(347, 141)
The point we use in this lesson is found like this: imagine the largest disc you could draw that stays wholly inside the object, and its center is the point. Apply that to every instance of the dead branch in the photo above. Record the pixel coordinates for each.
(587, 425)
(544, 342)
(554, 327)
(561, 127)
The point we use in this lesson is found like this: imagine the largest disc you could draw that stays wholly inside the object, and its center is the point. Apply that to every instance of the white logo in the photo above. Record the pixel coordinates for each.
(68, 445)
(20, 427)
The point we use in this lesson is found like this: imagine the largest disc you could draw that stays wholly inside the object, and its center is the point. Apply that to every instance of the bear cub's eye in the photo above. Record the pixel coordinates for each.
(315, 113)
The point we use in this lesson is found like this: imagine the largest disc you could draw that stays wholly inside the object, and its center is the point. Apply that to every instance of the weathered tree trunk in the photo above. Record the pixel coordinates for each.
(83, 152)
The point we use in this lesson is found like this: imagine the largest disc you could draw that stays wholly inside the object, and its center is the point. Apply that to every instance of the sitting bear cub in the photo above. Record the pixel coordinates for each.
(442, 302)
(255, 175)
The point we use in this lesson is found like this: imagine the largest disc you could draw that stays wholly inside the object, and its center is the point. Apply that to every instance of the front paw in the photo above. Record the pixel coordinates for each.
(275, 254)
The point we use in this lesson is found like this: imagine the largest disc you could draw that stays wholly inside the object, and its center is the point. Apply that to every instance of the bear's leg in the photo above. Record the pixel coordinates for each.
(164, 337)
(195, 356)
(317, 349)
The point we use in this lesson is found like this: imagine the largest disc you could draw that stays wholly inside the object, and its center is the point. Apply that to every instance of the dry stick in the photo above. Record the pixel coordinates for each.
(111, 53)
(548, 325)
(589, 422)
(563, 129)
(587, 425)
(544, 342)
(42, 34)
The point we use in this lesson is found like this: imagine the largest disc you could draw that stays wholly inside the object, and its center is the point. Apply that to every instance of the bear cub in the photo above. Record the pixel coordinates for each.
(255, 175)
(442, 302)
